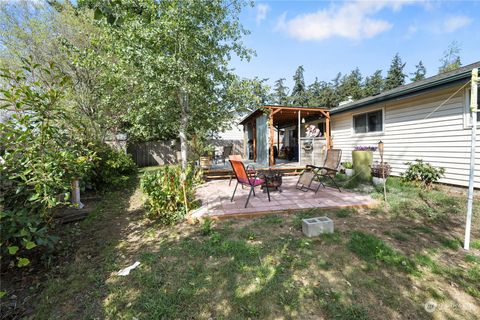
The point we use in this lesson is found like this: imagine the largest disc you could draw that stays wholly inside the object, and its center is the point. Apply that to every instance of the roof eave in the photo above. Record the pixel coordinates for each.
(405, 92)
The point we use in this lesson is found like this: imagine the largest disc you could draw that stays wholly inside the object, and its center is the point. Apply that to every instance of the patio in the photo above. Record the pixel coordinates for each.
(215, 197)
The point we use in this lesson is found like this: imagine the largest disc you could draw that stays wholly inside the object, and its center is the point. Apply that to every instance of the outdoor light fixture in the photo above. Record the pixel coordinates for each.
(303, 120)
(380, 149)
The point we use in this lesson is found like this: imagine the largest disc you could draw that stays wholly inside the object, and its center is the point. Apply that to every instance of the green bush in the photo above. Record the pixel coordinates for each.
(167, 190)
(38, 158)
(422, 173)
(347, 165)
(112, 167)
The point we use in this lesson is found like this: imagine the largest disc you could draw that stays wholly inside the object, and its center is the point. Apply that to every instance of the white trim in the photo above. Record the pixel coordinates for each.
(466, 111)
(367, 134)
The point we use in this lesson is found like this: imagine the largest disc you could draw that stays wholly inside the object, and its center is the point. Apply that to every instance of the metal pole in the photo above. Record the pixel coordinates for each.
(473, 112)
(299, 135)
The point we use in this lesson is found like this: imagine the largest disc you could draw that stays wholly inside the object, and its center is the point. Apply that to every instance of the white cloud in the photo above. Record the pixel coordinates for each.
(262, 10)
(352, 20)
(454, 23)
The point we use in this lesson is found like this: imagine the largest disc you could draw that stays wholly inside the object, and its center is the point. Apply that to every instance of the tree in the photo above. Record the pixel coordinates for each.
(395, 75)
(182, 50)
(373, 84)
(299, 92)
(314, 93)
(351, 86)
(419, 73)
(280, 92)
(451, 58)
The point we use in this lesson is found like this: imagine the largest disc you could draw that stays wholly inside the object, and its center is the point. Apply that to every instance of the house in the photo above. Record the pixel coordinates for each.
(232, 136)
(427, 119)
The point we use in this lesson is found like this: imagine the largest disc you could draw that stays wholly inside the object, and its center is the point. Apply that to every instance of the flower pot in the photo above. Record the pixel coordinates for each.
(205, 162)
(349, 172)
(362, 163)
(378, 181)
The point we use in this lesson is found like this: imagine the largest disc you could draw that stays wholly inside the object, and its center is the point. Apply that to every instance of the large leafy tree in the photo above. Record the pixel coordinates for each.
(299, 90)
(395, 75)
(420, 72)
(59, 32)
(182, 50)
(451, 58)
(280, 92)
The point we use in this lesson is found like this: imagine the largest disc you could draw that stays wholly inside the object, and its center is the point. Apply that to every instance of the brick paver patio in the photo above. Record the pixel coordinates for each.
(215, 196)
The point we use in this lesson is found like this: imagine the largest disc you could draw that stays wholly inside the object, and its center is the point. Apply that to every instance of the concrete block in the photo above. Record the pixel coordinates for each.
(313, 227)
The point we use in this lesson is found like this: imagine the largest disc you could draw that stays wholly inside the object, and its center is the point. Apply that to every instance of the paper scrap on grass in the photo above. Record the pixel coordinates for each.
(126, 271)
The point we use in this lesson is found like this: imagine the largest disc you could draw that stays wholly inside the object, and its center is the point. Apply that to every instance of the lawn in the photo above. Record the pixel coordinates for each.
(379, 264)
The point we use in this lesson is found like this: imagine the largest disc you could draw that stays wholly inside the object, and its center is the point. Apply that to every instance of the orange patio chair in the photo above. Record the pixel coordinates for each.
(247, 178)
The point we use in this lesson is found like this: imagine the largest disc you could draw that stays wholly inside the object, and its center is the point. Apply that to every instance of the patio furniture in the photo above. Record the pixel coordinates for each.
(315, 173)
(273, 180)
(226, 152)
(247, 178)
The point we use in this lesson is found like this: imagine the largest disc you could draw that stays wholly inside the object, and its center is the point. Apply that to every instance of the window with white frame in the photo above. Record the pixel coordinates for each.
(368, 122)
(468, 94)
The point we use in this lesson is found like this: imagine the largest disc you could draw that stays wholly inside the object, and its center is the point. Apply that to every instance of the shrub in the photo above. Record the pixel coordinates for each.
(347, 165)
(379, 170)
(39, 158)
(110, 168)
(423, 173)
(167, 194)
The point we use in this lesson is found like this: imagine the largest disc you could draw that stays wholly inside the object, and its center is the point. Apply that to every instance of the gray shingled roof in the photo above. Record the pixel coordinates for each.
(459, 74)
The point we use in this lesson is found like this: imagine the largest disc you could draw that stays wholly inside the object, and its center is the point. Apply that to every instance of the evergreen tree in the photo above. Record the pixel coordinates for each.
(373, 84)
(299, 92)
(451, 58)
(419, 73)
(395, 75)
(335, 86)
(280, 92)
(328, 98)
(314, 93)
(351, 86)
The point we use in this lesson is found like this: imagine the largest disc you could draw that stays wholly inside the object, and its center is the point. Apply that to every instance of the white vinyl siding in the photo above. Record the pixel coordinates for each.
(415, 128)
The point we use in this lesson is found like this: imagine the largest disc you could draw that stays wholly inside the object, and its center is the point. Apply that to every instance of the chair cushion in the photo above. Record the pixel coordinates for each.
(256, 182)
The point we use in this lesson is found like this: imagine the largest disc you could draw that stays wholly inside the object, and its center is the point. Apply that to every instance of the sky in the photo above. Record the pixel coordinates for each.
(328, 37)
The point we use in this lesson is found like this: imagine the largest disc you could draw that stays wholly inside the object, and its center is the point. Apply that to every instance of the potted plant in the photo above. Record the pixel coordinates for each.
(380, 172)
(362, 161)
(348, 166)
(206, 159)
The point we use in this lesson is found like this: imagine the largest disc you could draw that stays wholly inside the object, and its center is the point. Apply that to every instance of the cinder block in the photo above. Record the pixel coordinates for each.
(313, 227)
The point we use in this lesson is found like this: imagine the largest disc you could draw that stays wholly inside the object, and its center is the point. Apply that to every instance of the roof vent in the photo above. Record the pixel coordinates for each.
(349, 99)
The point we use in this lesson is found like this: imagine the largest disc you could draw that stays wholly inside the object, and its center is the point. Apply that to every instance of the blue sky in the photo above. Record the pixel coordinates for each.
(327, 37)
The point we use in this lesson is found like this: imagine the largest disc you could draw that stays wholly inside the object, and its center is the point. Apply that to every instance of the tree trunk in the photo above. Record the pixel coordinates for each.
(183, 99)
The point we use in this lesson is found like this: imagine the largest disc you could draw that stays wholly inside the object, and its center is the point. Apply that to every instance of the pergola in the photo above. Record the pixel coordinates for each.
(282, 116)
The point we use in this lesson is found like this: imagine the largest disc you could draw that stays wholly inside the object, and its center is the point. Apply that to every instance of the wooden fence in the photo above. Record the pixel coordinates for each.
(157, 153)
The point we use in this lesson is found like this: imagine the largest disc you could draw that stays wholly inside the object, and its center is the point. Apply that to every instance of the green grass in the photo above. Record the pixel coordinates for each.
(378, 264)
(475, 244)
(372, 249)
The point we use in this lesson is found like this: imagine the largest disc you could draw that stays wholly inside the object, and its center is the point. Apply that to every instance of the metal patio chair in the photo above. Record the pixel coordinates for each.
(315, 173)
(247, 178)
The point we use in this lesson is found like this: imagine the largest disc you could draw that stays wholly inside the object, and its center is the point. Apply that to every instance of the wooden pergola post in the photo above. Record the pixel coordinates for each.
(327, 128)
(271, 161)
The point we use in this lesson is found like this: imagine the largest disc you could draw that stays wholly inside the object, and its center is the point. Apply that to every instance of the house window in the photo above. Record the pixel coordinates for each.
(368, 122)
